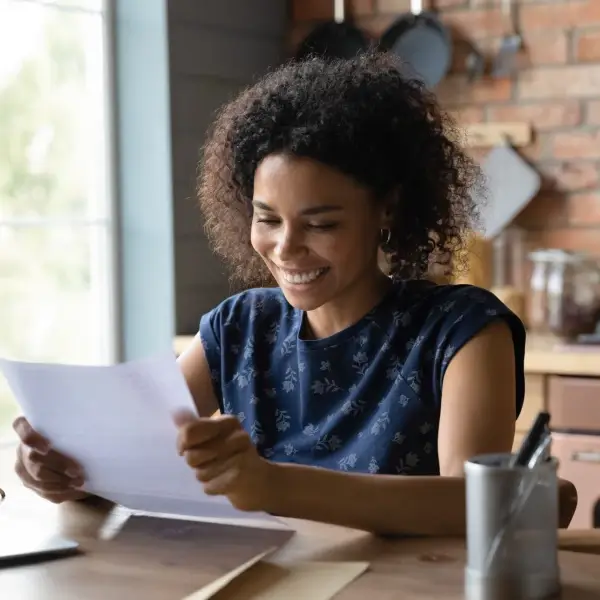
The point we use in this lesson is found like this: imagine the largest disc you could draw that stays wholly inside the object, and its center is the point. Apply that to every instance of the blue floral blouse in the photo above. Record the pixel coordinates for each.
(366, 399)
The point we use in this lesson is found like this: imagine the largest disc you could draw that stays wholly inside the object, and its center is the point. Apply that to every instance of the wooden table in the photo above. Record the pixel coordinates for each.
(150, 565)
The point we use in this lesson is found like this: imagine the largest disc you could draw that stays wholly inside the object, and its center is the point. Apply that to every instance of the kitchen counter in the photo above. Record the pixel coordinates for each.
(584, 361)
(540, 358)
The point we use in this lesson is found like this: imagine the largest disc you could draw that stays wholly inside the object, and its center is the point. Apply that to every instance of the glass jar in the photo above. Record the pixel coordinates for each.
(537, 318)
(573, 294)
(564, 294)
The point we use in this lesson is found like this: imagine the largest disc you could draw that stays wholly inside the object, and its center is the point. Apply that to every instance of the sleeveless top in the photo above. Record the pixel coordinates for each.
(366, 399)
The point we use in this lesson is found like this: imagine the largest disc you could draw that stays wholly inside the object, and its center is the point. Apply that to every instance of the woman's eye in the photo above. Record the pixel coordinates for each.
(323, 226)
(317, 226)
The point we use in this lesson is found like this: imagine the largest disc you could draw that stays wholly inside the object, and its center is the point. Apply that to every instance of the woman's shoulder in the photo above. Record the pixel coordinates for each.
(447, 301)
(445, 317)
(437, 294)
(243, 314)
(252, 303)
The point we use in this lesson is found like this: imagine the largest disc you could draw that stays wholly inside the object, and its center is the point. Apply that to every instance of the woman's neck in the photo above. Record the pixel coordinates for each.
(351, 306)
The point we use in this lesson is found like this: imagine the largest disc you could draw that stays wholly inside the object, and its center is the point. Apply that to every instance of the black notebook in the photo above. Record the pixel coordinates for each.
(22, 542)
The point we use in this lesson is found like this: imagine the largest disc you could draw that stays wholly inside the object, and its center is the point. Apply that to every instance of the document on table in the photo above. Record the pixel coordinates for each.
(117, 422)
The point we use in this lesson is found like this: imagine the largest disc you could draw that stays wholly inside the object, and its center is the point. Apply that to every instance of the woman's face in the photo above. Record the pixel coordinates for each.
(317, 230)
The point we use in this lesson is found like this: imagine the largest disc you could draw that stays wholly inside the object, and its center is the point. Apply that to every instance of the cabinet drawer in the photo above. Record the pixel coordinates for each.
(574, 403)
(579, 462)
(535, 388)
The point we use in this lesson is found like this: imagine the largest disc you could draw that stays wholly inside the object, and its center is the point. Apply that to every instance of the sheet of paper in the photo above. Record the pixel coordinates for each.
(211, 589)
(117, 422)
(268, 581)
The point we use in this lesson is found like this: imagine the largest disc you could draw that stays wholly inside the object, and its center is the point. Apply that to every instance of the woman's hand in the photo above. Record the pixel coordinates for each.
(225, 460)
(48, 473)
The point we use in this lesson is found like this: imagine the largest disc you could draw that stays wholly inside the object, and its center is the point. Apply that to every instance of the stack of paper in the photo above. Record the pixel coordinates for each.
(116, 421)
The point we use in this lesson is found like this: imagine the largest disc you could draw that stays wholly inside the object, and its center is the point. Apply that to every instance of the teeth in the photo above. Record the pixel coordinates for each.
(305, 277)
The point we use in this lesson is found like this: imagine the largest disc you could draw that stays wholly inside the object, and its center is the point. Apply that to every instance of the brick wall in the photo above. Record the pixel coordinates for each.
(557, 89)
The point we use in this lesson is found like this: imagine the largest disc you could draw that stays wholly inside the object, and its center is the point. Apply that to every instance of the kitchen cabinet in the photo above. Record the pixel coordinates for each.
(574, 403)
(579, 462)
(566, 383)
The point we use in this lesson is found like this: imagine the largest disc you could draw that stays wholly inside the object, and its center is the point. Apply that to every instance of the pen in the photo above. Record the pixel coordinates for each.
(540, 454)
(532, 440)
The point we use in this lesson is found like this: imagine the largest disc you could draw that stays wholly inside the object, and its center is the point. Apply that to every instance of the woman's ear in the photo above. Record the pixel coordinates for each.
(389, 207)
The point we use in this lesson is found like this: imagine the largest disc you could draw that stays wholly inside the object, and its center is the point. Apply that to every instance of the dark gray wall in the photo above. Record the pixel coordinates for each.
(216, 48)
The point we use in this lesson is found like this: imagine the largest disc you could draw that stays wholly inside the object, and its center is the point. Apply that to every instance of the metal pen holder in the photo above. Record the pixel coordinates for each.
(512, 530)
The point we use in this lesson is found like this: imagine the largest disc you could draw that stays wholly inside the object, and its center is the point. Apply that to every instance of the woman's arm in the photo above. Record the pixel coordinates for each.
(381, 504)
(478, 409)
(196, 372)
(478, 416)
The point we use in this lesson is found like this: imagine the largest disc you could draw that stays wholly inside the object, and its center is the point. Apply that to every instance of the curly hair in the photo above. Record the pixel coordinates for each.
(364, 117)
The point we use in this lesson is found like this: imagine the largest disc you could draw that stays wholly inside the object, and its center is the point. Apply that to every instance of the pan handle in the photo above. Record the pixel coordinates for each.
(338, 11)
(416, 7)
(511, 12)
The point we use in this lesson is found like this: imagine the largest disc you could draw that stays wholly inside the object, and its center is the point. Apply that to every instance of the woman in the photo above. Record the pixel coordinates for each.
(339, 378)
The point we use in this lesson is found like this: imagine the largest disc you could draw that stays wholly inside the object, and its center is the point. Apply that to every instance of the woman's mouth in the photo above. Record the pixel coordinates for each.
(302, 277)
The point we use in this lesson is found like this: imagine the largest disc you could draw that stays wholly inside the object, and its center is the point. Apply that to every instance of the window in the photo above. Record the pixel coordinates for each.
(56, 219)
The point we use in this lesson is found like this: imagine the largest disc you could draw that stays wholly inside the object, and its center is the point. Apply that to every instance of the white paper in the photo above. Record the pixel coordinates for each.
(117, 422)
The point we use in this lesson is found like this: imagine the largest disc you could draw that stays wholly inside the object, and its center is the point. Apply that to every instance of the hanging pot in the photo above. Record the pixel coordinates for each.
(334, 39)
(421, 40)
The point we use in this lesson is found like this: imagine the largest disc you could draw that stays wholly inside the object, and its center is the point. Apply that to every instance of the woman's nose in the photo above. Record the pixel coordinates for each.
(289, 244)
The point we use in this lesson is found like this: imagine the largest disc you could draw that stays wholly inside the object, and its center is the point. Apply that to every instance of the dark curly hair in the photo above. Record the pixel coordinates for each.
(364, 117)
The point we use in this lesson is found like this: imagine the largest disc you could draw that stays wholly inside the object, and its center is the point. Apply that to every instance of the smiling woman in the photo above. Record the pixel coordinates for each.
(307, 220)
(345, 393)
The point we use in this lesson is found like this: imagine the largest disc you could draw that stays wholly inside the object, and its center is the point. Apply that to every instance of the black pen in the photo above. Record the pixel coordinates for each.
(531, 441)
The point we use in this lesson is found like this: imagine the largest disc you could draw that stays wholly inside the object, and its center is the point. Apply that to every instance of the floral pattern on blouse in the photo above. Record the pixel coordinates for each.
(366, 399)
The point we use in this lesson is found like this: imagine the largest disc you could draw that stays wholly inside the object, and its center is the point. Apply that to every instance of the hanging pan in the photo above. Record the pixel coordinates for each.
(334, 39)
(421, 40)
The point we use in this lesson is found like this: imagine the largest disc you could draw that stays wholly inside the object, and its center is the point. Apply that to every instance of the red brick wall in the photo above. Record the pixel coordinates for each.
(557, 89)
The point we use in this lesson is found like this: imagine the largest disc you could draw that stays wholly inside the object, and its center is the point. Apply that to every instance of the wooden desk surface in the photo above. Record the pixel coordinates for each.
(149, 564)
(153, 562)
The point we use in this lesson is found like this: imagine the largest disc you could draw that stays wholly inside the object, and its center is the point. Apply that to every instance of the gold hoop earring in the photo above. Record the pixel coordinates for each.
(385, 236)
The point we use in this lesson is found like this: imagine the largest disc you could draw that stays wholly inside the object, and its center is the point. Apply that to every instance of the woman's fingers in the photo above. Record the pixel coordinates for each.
(71, 495)
(29, 436)
(201, 431)
(218, 477)
(36, 453)
(42, 479)
(52, 461)
(49, 473)
(219, 449)
(46, 472)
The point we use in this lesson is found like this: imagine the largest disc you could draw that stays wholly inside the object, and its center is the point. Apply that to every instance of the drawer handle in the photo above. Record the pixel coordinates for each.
(593, 457)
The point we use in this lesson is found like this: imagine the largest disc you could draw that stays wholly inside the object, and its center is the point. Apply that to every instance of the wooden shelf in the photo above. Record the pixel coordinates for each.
(488, 135)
